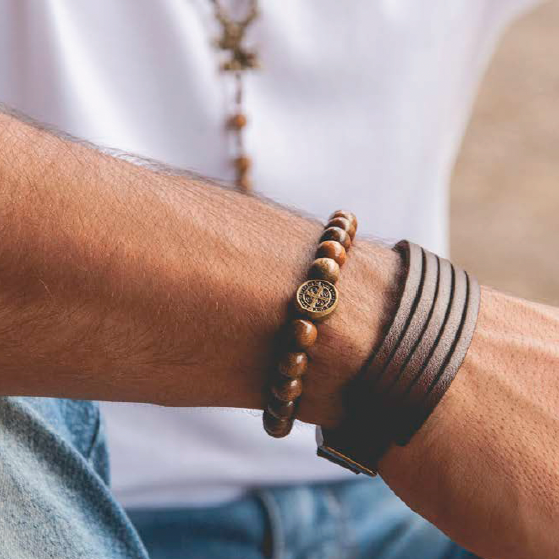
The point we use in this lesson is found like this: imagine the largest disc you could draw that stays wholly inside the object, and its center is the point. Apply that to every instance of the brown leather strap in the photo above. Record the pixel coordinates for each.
(415, 363)
(412, 258)
(365, 435)
(431, 370)
(452, 348)
(414, 329)
(461, 345)
(428, 339)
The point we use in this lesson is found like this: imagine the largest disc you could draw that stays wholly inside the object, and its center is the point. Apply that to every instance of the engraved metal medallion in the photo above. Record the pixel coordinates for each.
(317, 298)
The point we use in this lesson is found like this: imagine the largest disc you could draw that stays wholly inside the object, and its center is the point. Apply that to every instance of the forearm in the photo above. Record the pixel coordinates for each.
(120, 283)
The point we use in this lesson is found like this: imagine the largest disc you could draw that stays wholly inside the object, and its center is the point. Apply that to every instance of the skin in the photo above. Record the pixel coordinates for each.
(118, 282)
(485, 467)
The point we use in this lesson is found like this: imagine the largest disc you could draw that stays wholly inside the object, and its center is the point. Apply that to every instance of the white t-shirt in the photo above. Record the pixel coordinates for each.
(359, 104)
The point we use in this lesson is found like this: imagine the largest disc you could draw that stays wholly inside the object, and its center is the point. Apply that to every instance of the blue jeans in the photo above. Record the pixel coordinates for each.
(55, 502)
(360, 519)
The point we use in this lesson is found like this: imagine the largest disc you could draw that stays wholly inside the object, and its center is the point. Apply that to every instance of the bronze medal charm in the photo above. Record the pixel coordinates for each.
(316, 298)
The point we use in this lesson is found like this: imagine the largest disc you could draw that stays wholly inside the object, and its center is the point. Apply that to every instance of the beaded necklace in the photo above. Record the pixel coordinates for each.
(239, 60)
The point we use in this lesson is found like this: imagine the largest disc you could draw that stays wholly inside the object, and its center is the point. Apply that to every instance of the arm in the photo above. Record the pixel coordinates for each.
(117, 282)
(121, 283)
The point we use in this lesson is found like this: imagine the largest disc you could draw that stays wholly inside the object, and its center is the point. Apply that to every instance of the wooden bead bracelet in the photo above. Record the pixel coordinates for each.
(315, 299)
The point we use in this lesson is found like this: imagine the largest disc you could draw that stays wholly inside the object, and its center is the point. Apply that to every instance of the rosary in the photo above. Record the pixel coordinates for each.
(239, 60)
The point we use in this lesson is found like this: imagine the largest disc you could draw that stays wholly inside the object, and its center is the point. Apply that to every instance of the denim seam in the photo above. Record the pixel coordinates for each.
(274, 515)
(95, 437)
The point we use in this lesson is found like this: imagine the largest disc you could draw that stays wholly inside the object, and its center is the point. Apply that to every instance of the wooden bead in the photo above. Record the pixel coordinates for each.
(242, 164)
(326, 269)
(293, 364)
(275, 427)
(287, 389)
(347, 215)
(303, 333)
(333, 250)
(337, 234)
(340, 222)
(344, 224)
(281, 409)
(237, 122)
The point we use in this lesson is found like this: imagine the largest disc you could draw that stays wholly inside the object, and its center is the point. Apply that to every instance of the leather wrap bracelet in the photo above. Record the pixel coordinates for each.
(412, 367)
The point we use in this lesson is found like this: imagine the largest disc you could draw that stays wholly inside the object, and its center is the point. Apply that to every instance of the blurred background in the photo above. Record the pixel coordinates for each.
(505, 193)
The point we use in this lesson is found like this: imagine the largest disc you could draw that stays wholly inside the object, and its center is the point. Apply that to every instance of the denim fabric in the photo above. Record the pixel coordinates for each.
(359, 519)
(55, 503)
(54, 498)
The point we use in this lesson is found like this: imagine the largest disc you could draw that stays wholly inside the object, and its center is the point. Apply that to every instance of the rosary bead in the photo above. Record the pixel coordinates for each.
(275, 427)
(303, 333)
(242, 164)
(347, 215)
(293, 365)
(333, 250)
(344, 224)
(237, 122)
(281, 409)
(337, 234)
(340, 222)
(287, 389)
(350, 217)
(326, 269)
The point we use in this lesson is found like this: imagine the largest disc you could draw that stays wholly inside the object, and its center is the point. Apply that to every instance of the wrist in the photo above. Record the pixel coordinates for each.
(367, 290)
